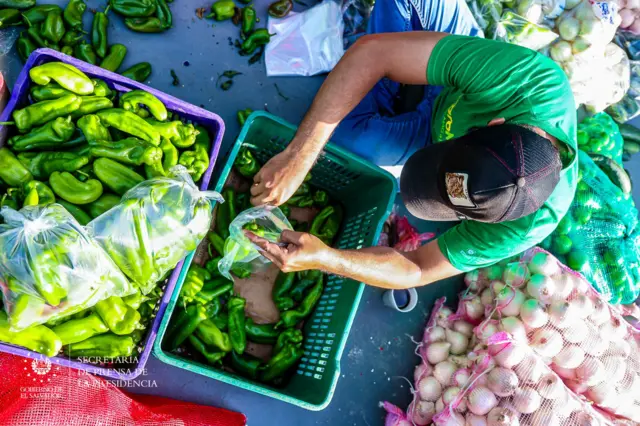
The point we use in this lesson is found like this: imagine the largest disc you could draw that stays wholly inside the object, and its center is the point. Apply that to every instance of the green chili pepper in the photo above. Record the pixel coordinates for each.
(222, 10)
(10, 17)
(180, 134)
(212, 357)
(213, 307)
(72, 38)
(77, 330)
(48, 281)
(118, 316)
(212, 265)
(331, 226)
(43, 164)
(130, 123)
(301, 201)
(117, 177)
(104, 203)
(145, 25)
(211, 290)
(246, 164)
(45, 194)
(196, 161)
(135, 300)
(78, 214)
(37, 338)
(211, 336)
(73, 14)
(221, 321)
(225, 214)
(320, 198)
(42, 112)
(38, 14)
(67, 76)
(186, 322)
(25, 46)
(101, 88)
(102, 346)
(258, 38)
(31, 198)
(261, 333)
(320, 220)
(67, 50)
(134, 8)
(138, 72)
(243, 201)
(16, 4)
(163, 13)
(169, 159)
(290, 336)
(247, 365)
(248, 22)
(237, 333)
(242, 115)
(280, 8)
(217, 242)
(306, 280)
(10, 199)
(99, 32)
(84, 51)
(114, 59)
(67, 187)
(11, 170)
(93, 129)
(193, 282)
(131, 151)
(50, 135)
(281, 362)
(90, 105)
(35, 36)
(281, 289)
(291, 318)
(132, 100)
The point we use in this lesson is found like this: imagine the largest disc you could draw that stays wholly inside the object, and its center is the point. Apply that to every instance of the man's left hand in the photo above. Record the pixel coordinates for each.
(302, 251)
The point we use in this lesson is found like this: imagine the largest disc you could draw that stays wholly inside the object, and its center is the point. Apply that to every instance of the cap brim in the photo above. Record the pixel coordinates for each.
(419, 184)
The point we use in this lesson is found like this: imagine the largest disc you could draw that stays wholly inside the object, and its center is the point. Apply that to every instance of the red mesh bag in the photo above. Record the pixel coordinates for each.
(35, 392)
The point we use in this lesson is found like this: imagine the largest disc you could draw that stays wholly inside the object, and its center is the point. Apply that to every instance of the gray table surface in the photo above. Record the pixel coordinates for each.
(379, 351)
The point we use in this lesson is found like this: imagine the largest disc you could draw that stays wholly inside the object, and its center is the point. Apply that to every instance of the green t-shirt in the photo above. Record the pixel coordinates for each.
(487, 79)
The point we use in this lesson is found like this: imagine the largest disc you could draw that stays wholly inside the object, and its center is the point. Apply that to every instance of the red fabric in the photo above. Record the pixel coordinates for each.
(39, 393)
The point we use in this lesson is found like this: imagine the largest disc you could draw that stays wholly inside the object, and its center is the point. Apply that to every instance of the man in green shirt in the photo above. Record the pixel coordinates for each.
(492, 143)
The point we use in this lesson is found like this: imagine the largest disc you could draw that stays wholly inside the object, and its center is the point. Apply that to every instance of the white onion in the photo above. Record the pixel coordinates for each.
(568, 28)
(600, 393)
(600, 313)
(481, 400)
(615, 368)
(560, 51)
(438, 352)
(473, 308)
(429, 389)
(515, 327)
(434, 334)
(570, 4)
(475, 420)
(582, 418)
(486, 329)
(576, 387)
(571, 356)
(590, 372)
(614, 329)
(533, 314)
(546, 342)
(452, 419)
(443, 317)
(595, 347)
(541, 288)
(443, 372)
(459, 342)
(544, 418)
(450, 394)
(550, 386)
(463, 327)
(474, 281)
(499, 416)
(421, 412)
(496, 287)
(516, 275)
(562, 314)
(576, 332)
(526, 400)
(509, 301)
(507, 355)
(563, 286)
(486, 297)
(565, 373)
(494, 272)
(619, 347)
(542, 263)
(421, 370)
(461, 361)
(461, 377)
(439, 405)
(502, 381)
(530, 370)
(584, 305)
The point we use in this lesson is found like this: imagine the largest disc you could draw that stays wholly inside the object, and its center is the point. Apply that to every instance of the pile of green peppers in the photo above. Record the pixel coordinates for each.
(144, 16)
(48, 25)
(82, 145)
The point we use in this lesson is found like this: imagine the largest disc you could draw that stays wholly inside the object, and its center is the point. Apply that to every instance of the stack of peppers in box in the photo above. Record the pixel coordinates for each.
(212, 324)
(73, 146)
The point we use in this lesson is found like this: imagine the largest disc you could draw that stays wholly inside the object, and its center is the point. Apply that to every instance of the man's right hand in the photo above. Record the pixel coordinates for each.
(278, 179)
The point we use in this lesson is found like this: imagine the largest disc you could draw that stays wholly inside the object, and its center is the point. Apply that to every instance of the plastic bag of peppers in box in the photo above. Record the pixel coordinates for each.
(599, 235)
(51, 268)
(600, 135)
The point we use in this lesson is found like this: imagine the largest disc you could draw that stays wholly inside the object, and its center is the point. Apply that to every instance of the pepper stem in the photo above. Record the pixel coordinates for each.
(7, 123)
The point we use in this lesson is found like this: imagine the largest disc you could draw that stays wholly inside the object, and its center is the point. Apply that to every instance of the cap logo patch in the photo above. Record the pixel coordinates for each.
(458, 189)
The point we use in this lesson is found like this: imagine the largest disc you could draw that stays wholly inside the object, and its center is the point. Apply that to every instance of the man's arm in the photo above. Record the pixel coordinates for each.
(377, 266)
(401, 57)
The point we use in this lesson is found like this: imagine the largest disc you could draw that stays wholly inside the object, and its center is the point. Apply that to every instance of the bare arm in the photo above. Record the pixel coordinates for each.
(377, 266)
(402, 57)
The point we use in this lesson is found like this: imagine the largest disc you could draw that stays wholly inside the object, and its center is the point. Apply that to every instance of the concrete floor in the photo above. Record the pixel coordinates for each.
(379, 351)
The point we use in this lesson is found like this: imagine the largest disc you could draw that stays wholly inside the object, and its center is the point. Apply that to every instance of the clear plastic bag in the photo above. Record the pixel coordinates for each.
(516, 29)
(590, 22)
(629, 106)
(267, 222)
(51, 268)
(486, 12)
(155, 225)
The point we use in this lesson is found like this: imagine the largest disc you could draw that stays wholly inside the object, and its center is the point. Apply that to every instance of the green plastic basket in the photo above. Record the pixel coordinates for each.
(367, 194)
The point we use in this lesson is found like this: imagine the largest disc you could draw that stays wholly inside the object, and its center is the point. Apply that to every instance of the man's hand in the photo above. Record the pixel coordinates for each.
(278, 179)
(302, 251)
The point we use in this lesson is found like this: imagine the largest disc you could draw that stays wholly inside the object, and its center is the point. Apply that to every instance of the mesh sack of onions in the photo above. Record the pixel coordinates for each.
(554, 311)
(511, 386)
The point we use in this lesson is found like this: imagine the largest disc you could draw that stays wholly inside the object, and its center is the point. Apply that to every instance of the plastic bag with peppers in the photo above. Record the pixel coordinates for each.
(515, 29)
(267, 222)
(600, 135)
(50, 268)
(155, 225)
